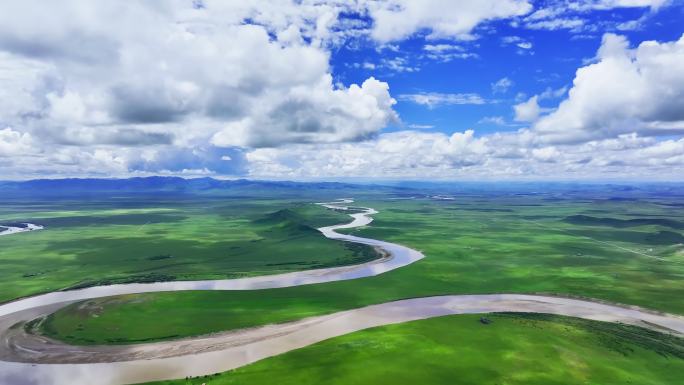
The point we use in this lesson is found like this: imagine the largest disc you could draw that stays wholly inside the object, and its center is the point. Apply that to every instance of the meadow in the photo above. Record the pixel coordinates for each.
(511, 349)
(588, 244)
(140, 238)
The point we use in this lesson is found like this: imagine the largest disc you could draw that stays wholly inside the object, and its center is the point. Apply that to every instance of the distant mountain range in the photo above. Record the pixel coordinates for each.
(169, 185)
(163, 184)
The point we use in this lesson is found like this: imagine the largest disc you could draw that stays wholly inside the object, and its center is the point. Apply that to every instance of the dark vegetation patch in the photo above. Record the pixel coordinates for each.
(167, 266)
(280, 217)
(137, 278)
(14, 224)
(670, 204)
(284, 220)
(378, 231)
(33, 274)
(301, 218)
(586, 220)
(664, 238)
(484, 210)
(615, 336)
(400, 211)
(159, 257)
(525, 204)
(422, 210)
(112, 253)
(537, 217)
(33, 326)
(554, 199)
(123, 219)
(622, 199)
(360, 254)
(638, 237)
(349, 210)
(125, 340)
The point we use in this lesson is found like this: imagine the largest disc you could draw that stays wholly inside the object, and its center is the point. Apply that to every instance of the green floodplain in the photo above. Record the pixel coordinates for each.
(146, 240)
(616, 244)
(513, 349)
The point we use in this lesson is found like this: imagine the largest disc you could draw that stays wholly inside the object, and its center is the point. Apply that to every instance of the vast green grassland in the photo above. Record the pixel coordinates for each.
(513, 349)
(148, 238)
(474, 244)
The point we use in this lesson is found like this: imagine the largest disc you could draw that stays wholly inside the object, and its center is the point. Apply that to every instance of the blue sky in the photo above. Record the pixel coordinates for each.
(331, 89)
(551, 62)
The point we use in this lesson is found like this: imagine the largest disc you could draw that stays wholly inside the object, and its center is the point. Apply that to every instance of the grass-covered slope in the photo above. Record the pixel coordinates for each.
(513, 349)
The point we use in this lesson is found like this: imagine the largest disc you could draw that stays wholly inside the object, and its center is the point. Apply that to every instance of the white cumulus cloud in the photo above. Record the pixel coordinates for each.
(527, 111)
(14, 143)
(397, 19)
(627, 90)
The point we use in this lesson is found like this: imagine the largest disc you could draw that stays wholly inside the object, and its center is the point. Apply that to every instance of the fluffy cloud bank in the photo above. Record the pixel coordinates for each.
(95, 67)
(177, 74)
(411, 154)
(627, 90)
(610, 125)
(14, 143)
(129, 83)
(320, 113)
(115, 88)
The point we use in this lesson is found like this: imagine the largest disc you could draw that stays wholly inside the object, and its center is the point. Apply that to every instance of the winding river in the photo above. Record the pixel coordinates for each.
(29, 359)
